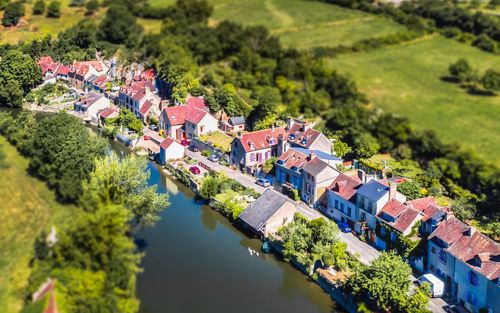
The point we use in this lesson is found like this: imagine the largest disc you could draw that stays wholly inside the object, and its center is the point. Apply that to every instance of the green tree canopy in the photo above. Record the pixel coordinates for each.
(19, 67)
(12, 13)
(120, 26)
(92, 6)
(39, 7)
(491, 80)
(54, 9)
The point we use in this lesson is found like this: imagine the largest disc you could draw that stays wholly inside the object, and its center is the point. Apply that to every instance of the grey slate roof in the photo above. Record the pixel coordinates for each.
(262, 209)
(373, 190)
(315, 166)
(237, 120)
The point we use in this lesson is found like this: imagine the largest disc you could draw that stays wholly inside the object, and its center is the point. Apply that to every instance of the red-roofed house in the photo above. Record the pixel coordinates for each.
(469, 264)
(300, 134)
(187, 121)
(91, 104)
(107, 114)
(171, 150)
(254, 148)
(140, 97)
(288, 168)
(81, 71)
(52, 70)
(342, 198)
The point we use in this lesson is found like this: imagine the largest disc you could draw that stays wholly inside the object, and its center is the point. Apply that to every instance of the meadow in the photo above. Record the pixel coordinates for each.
(38, 26)
(300, 23)
(27, 208)
(407, 80)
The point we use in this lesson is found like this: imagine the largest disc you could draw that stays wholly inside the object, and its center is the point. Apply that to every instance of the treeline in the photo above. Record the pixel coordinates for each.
(482, 30)
(94, 258)
(463, 73)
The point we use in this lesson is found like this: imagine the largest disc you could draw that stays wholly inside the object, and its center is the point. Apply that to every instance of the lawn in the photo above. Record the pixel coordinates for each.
(37, 26)
(406, 79)
(27, 207)
(301, 23)
(219, 140)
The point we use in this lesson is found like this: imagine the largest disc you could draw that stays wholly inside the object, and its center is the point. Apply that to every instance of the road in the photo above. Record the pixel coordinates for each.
(363, 251)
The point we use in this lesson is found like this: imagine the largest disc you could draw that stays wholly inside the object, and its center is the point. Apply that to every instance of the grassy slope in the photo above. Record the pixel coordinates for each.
(27, 207)
(301, 23)
(405, 79)
(37, 26)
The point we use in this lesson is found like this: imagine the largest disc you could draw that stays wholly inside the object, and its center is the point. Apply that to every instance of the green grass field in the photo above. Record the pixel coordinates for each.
(406, 79)
(37, 26)
(301, 23)
(27, 207)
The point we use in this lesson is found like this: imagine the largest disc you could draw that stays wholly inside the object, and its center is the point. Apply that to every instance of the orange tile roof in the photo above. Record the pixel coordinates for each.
(260, 139)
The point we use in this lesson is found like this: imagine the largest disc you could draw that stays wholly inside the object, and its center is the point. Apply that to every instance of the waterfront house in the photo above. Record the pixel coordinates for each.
(301, 135)
(252, 149)
(370, 200)
(341, 201)
(266, 215)
(433, 216)
(107, 114)
(188, 121)
(288, 168)
(52, 70)
(79, 72)
(468, 262)
(171, 150)
(139, 97)
(317, 176)
(91, 104)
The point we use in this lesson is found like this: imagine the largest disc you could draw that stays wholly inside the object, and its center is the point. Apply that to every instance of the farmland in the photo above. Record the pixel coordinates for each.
(301, 23)
(407, 80)
(28, 207)
(37, 26)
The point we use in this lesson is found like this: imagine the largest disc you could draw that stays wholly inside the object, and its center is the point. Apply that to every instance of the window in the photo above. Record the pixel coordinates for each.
(471, 298)
(473, 278)
(382, 231)
(433, 250)
(349, 211)
(337, 204)
(393, 236)
(432, 268)
(442, 256)
(342, 207)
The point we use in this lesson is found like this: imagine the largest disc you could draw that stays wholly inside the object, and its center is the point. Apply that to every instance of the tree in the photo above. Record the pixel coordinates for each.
(384, 282)
(410, 189)
(463, 208)
(125, 182)
(484, 42)
(341, 148)
(265, 109)
(92, 6)
(12, 13)
(11, 94)
(54, 9)
(64, 154)
(211, 186)
(462, 71)
(491, 80)
(39, 7)
(16, 66)
(77, 3)
(120, 26)
(365, 145)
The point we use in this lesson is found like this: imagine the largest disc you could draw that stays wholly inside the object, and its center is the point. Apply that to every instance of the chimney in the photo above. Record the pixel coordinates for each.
(362, 176)
(251, 145)
(272, 128)
(392, 190)
(311, 156)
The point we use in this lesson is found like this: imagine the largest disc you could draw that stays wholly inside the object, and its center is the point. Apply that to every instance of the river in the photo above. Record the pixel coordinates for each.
(197, 261)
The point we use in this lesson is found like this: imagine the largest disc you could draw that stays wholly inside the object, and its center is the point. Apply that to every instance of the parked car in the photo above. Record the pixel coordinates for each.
(146, 137)
(193, 148)
(344, 227)
(213, 158)
(184, 142)
(195, 170)
(153, 127)
(263, 182)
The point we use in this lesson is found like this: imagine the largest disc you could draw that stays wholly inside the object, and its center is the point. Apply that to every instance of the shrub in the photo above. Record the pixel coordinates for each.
(54, 9)
(206, 153)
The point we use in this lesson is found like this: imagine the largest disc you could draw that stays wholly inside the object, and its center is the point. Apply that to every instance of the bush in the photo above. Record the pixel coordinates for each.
(39, 7)
(206, 153)
(92, 6)
(54, 9)
(12, 14)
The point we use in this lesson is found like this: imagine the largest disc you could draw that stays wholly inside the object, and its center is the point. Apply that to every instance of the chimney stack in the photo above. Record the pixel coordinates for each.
(362, 176)
(392, 190)
(470, 231)
(311, 156)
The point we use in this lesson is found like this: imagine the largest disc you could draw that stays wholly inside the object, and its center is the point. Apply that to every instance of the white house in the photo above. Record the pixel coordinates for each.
(171, 150)
(342, 198)
(199, 122)
(91, 104)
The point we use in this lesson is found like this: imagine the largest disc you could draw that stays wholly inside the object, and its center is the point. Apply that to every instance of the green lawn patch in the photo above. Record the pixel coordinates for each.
(28, 207)
(301, 23)
(406, 79)
(219, 140)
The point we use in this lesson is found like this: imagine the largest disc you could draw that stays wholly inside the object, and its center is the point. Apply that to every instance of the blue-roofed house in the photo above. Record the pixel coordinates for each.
(370, 199)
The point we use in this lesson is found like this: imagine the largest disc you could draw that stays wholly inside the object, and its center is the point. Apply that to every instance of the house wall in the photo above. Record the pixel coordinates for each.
(444, 270)
(466, 290)
(282, 217)
(294, 177)
(174, 151)
(238, 154)
(99, 105)
(334, 210)
(207, 125)
(319, 183)
(370, 216)
(322, 143)
(492, 294)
